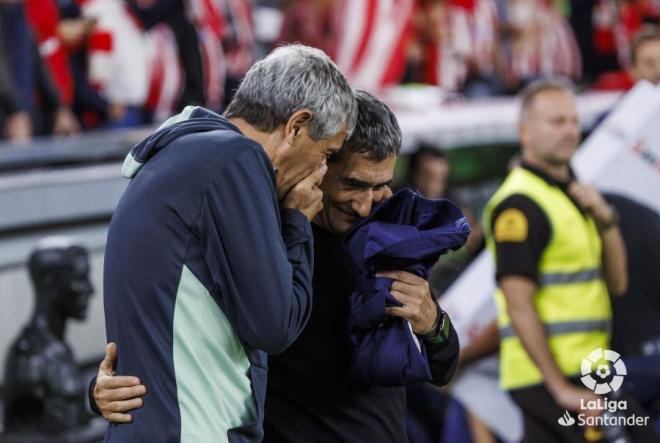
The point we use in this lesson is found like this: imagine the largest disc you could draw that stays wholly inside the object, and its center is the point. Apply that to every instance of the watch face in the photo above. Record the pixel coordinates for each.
(443, 330)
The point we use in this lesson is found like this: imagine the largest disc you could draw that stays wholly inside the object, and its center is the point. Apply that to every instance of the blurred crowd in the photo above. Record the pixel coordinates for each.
(476, 47)
(72, 65)
(67, 65)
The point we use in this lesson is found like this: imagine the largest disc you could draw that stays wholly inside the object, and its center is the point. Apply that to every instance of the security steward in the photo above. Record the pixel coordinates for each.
(558, 252)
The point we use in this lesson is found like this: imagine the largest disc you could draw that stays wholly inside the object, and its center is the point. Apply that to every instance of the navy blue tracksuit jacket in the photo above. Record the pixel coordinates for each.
(203, 276)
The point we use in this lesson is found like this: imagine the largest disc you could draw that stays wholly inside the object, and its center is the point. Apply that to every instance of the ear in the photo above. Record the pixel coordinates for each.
(296, 122)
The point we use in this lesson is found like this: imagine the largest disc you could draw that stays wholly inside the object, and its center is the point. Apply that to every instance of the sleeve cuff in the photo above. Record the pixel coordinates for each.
(295, 226)
(440, 335)
(90, 396)
(532, 276)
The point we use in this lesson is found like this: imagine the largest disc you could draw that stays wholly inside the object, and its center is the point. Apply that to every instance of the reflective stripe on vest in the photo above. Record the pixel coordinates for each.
(567, 327)
(560, 278)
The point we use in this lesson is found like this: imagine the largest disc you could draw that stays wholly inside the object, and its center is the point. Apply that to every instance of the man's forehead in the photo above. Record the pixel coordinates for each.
(649, 47)
(358, 166)
(554, 102)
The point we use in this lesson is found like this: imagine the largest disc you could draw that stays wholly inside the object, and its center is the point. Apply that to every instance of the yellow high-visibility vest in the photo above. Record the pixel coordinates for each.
(571, 299)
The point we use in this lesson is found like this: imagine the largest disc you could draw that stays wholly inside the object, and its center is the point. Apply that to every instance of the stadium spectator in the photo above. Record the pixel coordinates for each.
(645, 56)
(614, 24)
(37, 96)
(88, 44)
(459, 44)
(43, 17)
(428, 171)
(14, 121)
(542, 42)
(239, 43)
(136, 61)
(547, 232)
(183, 34)
(311, 23)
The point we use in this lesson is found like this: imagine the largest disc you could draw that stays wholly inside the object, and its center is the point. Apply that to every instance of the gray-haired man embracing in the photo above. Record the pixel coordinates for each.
(209, 257)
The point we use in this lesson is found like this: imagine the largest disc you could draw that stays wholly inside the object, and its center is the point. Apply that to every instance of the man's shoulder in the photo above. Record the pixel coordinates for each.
(221, 154)
(518, 201)
(222, 145)
(518, 209)
(520, 223)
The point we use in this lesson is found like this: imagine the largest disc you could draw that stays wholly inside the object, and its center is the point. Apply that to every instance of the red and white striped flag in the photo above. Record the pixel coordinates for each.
(166, 74)
(372, 40)
(240, 53)
(546, 45)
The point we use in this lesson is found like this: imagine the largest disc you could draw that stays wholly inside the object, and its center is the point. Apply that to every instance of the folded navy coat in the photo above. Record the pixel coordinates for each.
(406, 232)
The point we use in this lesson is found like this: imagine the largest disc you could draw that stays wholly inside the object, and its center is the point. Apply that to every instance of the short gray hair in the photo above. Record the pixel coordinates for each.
(377, 134)
(291, 78)
(529, 93)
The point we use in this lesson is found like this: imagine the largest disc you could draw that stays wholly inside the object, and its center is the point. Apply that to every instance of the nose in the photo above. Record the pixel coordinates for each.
(362, 203)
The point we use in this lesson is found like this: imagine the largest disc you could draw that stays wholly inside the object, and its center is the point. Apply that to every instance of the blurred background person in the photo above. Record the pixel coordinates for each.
(38, 106)
(645, 55)
(43, 18)
(540, 203)
(541, 42)
(428, 171)
(15, 121)
(312, 23)
(459, 41)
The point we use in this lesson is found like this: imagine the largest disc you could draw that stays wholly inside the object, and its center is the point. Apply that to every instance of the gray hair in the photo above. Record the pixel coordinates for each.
(529, 93)
(377, 134)
(292, 78)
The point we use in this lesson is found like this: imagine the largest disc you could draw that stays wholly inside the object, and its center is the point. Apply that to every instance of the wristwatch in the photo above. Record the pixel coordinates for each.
(440, 333)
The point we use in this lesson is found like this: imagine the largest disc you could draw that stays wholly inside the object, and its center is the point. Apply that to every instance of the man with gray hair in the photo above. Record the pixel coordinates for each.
(311, 396)
(209, 257)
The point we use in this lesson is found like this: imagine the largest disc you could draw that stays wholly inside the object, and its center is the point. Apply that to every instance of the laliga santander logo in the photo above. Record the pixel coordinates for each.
(597, 370)
(566, 419)
(603, 372)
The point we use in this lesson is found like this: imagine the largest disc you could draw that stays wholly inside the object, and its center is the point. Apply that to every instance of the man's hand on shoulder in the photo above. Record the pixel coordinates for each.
(414, 294)
(116, 395)
(592, 201)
